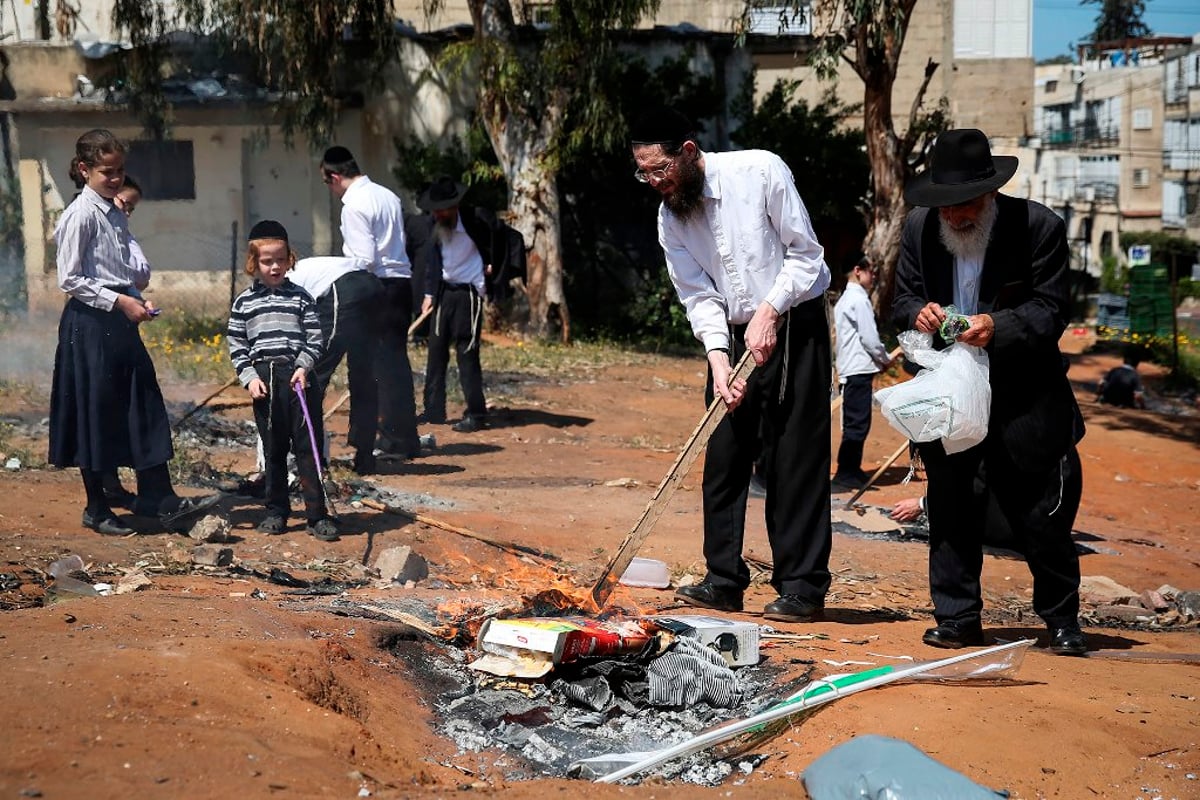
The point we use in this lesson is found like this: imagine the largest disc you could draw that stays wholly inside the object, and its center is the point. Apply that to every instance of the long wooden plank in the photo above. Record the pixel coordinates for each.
(666, 489)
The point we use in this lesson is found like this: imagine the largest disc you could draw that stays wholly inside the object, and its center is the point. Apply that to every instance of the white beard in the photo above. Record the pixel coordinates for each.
(971, 243)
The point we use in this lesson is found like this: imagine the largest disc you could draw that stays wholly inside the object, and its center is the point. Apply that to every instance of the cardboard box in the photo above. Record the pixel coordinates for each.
(736, 641)
(534, 645)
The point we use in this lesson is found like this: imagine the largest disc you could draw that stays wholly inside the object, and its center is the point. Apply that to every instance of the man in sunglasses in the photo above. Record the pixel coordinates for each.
(742, 255)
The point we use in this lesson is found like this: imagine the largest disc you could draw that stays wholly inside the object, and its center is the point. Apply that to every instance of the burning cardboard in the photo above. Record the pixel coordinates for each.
(530, 648)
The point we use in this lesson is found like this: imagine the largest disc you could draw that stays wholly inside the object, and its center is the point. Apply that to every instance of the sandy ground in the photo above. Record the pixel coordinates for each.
(217, 684)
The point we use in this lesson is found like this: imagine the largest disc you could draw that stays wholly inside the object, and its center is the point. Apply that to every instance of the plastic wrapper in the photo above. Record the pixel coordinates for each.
(949, 400)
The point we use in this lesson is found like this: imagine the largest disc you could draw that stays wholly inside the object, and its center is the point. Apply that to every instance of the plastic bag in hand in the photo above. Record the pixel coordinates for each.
(950, 399)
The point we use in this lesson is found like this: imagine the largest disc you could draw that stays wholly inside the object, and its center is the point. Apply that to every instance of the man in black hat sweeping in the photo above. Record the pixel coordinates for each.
(742, 255)
(466, 246)
(1002, 262)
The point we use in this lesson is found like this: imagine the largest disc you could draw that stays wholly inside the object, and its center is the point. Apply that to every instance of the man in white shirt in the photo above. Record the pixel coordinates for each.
(742, 255)
(373, 230)
(860, 355)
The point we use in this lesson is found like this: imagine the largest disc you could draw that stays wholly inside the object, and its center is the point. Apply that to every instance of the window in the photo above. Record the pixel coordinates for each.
(992, 29)
(165, 170)
(781, 20)
(1141, 178)
(1051, 86)
(1143, 119)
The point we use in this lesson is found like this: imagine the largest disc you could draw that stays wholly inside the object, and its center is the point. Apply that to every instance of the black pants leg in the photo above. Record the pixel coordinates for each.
(956, 522)
(458, 321)
(349, 315)
(856, 422)
(397, 403)
(785, 417)
(280, 421)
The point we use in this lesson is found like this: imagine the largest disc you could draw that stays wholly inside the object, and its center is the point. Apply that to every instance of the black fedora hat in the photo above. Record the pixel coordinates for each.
(444, 192)
(962, 168)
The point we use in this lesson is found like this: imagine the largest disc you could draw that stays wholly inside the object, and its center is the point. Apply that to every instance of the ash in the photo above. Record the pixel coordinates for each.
(526, 730)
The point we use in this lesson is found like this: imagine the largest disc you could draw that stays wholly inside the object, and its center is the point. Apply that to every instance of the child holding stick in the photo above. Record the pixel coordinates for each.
(274, 342)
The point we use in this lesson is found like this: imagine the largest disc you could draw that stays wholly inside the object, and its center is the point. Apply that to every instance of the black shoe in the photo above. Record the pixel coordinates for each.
(106, 525)
(469, 424)
(850, 480)
(273, 525)
(254, 488)
(793, 608)
(364, 463)
(120, 497)
(180, 510)
(1067, 641)
(324, 530)
(953, 635)
(757, 489)
(705, 595)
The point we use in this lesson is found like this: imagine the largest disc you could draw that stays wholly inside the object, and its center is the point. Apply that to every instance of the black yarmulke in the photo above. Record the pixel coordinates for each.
(267, 229)
(663, 125)
(337, 155)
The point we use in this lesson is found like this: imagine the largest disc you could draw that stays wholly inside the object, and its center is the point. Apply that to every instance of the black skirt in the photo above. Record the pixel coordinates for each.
(106, 409)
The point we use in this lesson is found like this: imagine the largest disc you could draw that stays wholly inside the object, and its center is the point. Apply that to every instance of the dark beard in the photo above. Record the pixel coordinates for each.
(688, 196)
(444, 228)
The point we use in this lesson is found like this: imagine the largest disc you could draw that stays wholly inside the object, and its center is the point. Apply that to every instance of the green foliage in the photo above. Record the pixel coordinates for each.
(12, 261)
(1114, 276)
(827, 159)
(1118, 19)
(313, 54)
(1064, 58)
(474, 164)
(1164, 247)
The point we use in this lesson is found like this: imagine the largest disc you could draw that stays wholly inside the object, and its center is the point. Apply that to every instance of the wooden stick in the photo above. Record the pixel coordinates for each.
(341, 402)
(891, 460)
(432, 522)
(637, 536)
(417, 322)
(206, 400)
(410, 620)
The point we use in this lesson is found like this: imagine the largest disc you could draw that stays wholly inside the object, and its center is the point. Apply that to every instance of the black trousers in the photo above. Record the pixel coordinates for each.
(1039, 509)
(397, 402)
(457, 320)
(856, 422)
(784, 417)
(280, 421)
(349, 314)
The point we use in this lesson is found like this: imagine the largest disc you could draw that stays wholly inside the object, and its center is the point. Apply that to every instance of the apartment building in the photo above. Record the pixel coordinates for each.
(1181, 142)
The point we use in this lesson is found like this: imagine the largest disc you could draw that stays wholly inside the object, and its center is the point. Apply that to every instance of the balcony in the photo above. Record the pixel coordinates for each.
(1084, 134)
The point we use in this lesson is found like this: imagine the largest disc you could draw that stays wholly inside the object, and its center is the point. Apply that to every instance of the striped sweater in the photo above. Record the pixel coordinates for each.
(273, 325)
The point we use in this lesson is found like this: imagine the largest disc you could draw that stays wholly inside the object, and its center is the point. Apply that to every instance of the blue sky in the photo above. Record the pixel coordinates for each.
(1059, 23)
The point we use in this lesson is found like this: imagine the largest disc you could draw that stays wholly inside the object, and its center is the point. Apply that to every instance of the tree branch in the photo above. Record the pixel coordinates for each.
(911, 133)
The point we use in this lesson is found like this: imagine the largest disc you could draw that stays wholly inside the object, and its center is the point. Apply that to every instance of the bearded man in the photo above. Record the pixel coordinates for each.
(1003, 262)
(742, 255)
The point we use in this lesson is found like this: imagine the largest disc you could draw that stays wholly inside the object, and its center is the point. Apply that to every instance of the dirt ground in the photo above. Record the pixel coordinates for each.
(217, 684)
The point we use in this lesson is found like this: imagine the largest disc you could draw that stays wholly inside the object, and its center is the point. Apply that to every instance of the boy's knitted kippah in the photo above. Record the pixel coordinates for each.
(267, 229)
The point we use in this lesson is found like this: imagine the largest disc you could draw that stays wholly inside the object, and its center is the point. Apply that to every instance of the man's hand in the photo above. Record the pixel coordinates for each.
(982, 329)
(257, 389)
(427, 305)
(930, 318)
(760, 333)
(133, 309)
(718, 361)
(907, 510)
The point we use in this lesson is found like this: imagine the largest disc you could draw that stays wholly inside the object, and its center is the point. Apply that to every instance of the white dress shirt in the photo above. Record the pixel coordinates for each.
(373, 228)
(859, 350)
(461, 262)
(316, 274)
(752, 241)
(966, 284)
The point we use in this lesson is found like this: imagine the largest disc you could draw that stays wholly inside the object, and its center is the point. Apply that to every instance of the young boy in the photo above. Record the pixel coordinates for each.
(274, 342)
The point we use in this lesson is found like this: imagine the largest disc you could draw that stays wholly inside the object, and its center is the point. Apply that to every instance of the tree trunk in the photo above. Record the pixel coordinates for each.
(519, 141)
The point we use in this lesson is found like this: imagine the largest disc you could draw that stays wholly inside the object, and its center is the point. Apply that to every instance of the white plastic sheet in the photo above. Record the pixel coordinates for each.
(950, 399)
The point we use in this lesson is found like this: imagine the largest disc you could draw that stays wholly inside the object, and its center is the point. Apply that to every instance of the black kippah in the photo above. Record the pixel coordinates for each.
(267, 229)
(337, 155)
(663, 125)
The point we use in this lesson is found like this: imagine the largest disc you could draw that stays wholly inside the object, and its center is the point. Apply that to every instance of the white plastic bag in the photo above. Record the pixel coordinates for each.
(950, 399)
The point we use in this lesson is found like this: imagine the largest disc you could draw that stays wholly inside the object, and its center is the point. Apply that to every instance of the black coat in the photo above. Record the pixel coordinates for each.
(1024, 287)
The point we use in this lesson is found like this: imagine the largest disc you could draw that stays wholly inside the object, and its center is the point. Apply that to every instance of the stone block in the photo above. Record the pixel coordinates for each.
(401, 565)
(1100, 590)
(211, 555)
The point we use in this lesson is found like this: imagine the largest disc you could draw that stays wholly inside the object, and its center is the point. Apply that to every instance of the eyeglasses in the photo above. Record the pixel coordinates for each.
(654, 175)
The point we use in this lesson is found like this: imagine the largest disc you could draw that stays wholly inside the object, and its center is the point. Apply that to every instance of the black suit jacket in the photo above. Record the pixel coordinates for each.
(1024, 287)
